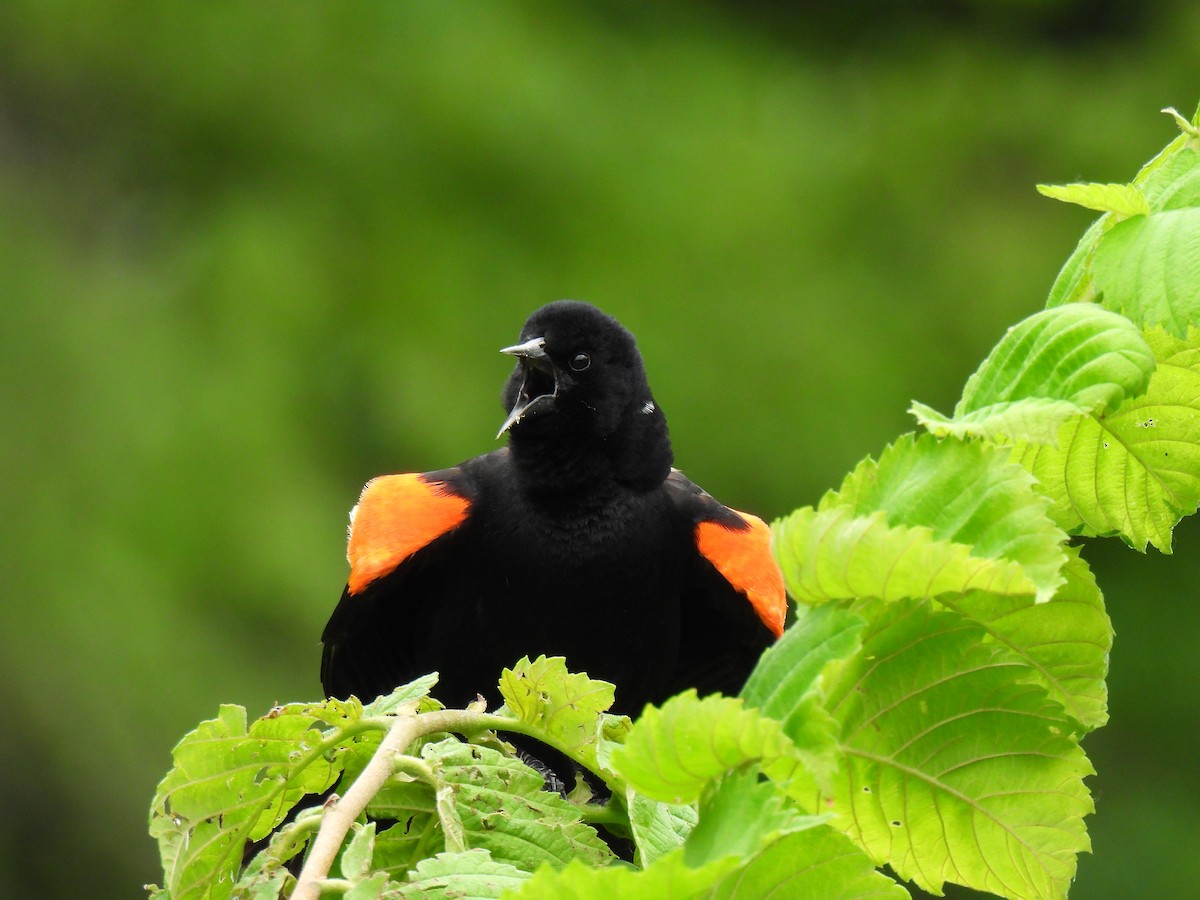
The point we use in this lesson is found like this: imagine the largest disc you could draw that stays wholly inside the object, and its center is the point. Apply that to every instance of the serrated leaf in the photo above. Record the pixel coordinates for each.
(820, 862)
(966, 492)
(1172, 179)
(1073, 284)
(414, 837)
(469, 875)
(959, 768)
(611, 733)
(739, 814)
(1135, 472)
(1065, 642)
(673, 751)
(356, 856)
(1148, 269)
(669, 877)
(658, 828)
(498, 804)
(564, 707)
(371, 888)
(1055, 364)
(231, 784)
(1122, 199)
(415, 690)
(260, 881)
(836, 555)
(786, 685)
(418, 831)
(791, 668)
(1035, 420)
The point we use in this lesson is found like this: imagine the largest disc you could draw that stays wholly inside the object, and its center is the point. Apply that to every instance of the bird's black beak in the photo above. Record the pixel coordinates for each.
(540, 379)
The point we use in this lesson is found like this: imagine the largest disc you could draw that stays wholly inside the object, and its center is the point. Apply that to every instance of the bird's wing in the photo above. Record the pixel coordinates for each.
(396, 516)
(392, 529)
(738, 545)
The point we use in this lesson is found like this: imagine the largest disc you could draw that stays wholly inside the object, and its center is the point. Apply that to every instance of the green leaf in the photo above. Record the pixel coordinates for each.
(820, 862)
(959, 768)
(1135, 472)
(669, 877)
(1074, 281)
(498, 804)
(414, 837)
(1172, 179)
(356, 857)
(834, 555)
(231, 784)
(658, 828)
(740, 814)
(1055, 364)
(564, 708)
(786, 685)
(1032, 419)
(1065, 642)
(1123, 199)
(1148, 269)
(469, 875)
(371, 888)
(791, 668)
(412, 692)
(673, 752)
(964, 492)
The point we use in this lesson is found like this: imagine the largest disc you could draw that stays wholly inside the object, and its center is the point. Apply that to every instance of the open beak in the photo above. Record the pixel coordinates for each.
(540, 380)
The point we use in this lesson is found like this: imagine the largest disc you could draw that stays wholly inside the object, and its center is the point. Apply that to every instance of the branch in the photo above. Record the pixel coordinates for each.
(341, 813)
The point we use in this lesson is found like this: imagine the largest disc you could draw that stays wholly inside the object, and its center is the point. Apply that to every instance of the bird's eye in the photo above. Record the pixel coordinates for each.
(580, 361)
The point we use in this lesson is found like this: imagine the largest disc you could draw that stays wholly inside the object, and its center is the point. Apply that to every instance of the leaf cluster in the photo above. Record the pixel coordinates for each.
(924, 711)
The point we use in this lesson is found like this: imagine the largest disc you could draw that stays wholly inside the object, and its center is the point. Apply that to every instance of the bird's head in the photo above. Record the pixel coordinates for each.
(579, 382)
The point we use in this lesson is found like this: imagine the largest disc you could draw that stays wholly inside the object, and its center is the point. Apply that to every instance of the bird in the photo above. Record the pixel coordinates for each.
(578, 539)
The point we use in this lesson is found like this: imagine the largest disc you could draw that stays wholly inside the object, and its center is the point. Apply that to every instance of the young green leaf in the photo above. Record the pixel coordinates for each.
(819, 862)
(833, 554)
(786, 685)
(1065, 642)
(669, 877)
(658, 828)
(1135, 472)
(356, 857)
(231, 784)
(371, 888)
(739, 814)
(1055, 364)
(415, 836)
(406, 693)
(1148, 269)
(564, 707)
(1122, 199)
(674, 751)
(468, 875)
(1034, 419)
(966, 492)
(498, 802)
(1172, 179)
(959, 768)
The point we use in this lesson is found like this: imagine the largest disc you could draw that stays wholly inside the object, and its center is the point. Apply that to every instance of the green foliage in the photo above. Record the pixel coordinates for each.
(1134, 472)
(924, 712)
(1064, 361)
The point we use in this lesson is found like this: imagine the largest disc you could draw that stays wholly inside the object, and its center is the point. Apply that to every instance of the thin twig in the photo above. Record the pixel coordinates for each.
(341, 813)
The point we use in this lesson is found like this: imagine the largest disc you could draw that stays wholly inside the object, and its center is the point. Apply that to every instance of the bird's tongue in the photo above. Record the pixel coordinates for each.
(538, 385)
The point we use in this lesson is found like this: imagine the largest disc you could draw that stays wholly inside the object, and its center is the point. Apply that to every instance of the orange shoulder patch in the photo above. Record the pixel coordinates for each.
(744, 558)
(395, 517)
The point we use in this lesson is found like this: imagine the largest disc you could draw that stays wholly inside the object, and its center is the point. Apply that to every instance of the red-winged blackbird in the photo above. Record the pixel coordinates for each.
(577, 540)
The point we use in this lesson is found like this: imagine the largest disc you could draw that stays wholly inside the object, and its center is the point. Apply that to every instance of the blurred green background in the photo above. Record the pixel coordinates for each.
(253, 254)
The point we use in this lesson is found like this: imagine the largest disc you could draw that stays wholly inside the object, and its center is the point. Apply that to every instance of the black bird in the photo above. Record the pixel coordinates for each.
(577, 540)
